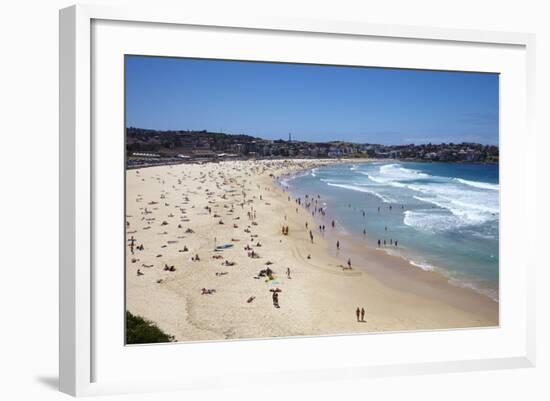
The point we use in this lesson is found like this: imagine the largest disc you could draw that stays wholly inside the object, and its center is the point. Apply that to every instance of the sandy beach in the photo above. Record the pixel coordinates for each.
(231, 215)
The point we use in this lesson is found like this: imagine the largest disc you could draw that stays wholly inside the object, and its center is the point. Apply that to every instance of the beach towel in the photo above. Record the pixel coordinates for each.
(224, 246)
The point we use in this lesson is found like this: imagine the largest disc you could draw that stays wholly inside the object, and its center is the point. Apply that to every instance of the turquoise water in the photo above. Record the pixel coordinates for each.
(444, 216)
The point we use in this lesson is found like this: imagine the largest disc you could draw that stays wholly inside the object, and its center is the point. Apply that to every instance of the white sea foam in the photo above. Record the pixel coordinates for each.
(462, 209)
(479, 184)
(430, 221)
(463, 282)
(362, 189)
(488, 292)
(395, 172)
(396, 175)
(286, 179)
(485, 236)
(283, 182)
(383, 181)
(423, 266)
(473, 206)
(468, 202)
(469, 214)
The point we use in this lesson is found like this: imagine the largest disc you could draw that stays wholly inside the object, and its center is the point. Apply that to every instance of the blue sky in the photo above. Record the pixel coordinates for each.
(313, 102)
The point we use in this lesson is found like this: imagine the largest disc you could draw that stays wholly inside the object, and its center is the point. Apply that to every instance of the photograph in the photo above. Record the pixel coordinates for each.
(274, 200)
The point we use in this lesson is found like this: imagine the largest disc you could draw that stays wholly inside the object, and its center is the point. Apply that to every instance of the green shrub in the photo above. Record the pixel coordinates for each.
(141, 331)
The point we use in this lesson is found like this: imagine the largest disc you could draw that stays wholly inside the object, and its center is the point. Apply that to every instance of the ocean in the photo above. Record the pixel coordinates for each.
(444, 216)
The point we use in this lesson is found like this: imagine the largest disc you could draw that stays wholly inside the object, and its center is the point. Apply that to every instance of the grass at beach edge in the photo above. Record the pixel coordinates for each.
(142, 331)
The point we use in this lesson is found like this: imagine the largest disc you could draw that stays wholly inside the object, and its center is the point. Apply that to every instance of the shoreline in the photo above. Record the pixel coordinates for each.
(320, 297)
(358, 243)
(398, 271)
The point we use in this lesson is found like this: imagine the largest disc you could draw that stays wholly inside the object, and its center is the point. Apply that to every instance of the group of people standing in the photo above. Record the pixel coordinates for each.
(360, 314)
(384, 242)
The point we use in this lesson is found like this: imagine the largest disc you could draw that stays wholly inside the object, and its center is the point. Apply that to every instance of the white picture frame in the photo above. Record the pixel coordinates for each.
(79, 160)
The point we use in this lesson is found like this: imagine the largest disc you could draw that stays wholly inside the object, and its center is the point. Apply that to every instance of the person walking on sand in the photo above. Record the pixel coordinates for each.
(349, 263)
(357, 313)
(276, 299)
(288, 272)
(338, 245)
(132, 242)
(362, 314)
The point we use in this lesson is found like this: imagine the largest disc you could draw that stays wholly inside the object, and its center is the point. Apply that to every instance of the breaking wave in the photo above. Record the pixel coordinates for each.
(478, 184)
(364, 189)
(444, 203)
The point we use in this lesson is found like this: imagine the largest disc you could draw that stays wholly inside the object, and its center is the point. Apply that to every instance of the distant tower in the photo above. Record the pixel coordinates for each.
(289, 137)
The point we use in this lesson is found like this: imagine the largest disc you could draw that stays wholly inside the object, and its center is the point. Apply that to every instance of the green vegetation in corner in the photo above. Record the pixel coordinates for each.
(141, 331)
